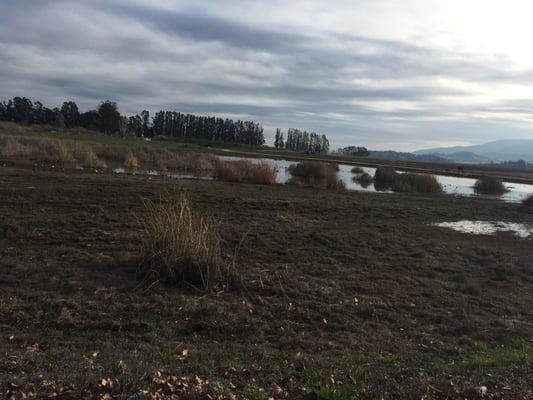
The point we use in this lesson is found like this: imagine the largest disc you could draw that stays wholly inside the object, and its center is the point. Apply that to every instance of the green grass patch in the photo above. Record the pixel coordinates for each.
(514, 356)
(345, 392)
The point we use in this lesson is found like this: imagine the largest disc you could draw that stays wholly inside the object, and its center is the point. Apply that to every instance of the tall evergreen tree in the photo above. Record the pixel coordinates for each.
(71, 114)
(109, 117)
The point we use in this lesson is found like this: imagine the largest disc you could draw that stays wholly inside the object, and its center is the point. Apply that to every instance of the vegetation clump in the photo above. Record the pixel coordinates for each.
(131, 163)
(314, 173)
(246, 171)
(357, 170)
(385, 177)
(491, 185)
(388, 178)
(181, 247)
(363, 179)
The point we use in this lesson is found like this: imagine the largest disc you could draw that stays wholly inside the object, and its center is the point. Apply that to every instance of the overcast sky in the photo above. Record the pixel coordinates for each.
(387, 74)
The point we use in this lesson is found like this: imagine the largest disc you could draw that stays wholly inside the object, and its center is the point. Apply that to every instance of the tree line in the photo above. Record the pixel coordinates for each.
(303, 141)
(107, 118)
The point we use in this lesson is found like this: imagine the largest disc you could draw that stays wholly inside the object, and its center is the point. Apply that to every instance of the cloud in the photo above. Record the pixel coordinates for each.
(269, 63)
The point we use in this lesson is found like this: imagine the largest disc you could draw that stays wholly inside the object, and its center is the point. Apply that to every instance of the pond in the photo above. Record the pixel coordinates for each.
(452, 185)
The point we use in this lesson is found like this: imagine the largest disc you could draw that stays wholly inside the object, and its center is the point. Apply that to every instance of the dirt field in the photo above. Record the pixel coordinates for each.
(347, 295)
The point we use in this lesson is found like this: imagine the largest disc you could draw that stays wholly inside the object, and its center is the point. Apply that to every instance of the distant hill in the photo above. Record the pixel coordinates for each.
(396, 155)
(497, 151)
(464, 157)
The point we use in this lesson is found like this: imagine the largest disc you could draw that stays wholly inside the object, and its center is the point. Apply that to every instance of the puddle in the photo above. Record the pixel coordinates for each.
(175, 175)
(488, 227)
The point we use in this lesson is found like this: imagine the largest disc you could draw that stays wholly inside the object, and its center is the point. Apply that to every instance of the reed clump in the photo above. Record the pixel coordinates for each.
(181, 247)
(491, 185)
(131, 163)
(314, 173)
(387, 178)
(246, 171)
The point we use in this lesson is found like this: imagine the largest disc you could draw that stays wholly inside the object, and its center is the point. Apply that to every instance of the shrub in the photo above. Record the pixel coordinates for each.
(182, 247)
(246, 171)
(364, 179)
(131, 163)
(388, 178)
(490, 185)
(315, 173)
(357, 170)
(385, 177)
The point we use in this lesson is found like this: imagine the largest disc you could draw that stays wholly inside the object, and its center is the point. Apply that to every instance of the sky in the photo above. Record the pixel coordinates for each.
(386, 74)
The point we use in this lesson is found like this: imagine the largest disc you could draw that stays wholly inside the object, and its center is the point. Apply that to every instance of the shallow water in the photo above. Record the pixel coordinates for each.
(175, 175)
(452, 185)
(488, 227)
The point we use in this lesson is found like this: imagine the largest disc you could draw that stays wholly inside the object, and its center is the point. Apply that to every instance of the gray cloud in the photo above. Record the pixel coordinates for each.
(193, 58)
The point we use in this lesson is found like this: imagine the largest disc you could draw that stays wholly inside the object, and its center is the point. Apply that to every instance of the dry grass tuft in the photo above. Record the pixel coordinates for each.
(246, 171)
(131, 163)
(182, 247)
(490, 185)
(332, 181)
(91, 160)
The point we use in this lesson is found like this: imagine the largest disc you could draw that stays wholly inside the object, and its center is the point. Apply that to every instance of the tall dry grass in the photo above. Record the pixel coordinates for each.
(131, 163)
(99, 156)
(314, 173)
(12, 148)
(417, 183)
(490, 185)
(246, 171)
(182, 247)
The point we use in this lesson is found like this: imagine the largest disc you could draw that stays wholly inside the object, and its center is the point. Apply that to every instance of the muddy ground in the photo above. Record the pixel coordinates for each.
(347, 295)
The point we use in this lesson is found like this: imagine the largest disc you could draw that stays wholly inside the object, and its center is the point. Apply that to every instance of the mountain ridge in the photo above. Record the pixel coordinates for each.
(497, 151)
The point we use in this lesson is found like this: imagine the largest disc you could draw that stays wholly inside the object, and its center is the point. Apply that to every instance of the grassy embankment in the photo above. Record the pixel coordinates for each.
(470, 171)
